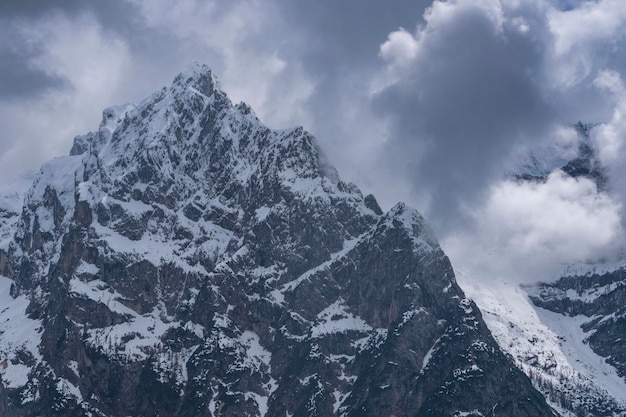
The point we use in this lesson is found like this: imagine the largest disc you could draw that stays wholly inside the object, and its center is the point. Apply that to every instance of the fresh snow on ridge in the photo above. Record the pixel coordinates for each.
(336, 318)
(18, 333)
(420, 232)
(11, 204)
(543, 344)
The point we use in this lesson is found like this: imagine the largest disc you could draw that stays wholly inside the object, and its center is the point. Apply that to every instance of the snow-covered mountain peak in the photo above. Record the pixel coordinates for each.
(416, 227)
(154, 170)
(185, 259)
(186, 127)
(198, 77)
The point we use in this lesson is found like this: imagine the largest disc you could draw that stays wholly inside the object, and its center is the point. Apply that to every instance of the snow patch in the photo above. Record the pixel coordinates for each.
(337, 319)
(262, 213)
(256, 355)
(18, 333)
(69, 390)
(429, 355)
(100, 292)
(348, 245)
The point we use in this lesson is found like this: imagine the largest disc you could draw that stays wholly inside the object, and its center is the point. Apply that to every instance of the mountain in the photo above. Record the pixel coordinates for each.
(590, 302)
(185, 260)
(565, 333)
(601, 298)
(577, 158)
(551, 348)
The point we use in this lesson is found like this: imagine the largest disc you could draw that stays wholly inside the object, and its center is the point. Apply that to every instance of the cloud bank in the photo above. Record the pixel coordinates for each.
(479, 82)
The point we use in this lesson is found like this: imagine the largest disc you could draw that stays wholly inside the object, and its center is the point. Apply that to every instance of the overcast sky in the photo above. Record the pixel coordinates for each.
(414, 100)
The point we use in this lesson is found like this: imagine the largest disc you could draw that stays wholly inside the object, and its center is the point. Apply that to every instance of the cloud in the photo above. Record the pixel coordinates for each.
(587, 40)
(400, 49)
(528, 231)
(459, 93)
(20, 79)
(587, 24)
(19, 46)
(243, 42)
(476, 84)
(608, 136)
(92, 65)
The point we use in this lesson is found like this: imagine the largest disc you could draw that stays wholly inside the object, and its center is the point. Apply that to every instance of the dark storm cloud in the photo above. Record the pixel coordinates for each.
(346, 32)
(337, 46)
(471, 94)
(19, 78)
(337, 43)
(108, 12)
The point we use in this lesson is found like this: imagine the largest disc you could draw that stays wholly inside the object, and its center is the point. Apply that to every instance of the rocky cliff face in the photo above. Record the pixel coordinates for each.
(599, 297)
(185, 260)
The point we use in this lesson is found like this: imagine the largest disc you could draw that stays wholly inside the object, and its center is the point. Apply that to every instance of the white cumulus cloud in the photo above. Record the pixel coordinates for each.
(528, 231)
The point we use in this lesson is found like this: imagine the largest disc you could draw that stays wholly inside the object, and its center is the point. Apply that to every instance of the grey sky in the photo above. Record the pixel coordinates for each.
(416, 100)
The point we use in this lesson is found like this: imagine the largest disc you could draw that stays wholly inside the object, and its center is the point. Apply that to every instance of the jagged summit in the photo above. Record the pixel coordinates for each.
(576, 158)
(184, 149)
(199, 77)
(183, 128)
(186, 260)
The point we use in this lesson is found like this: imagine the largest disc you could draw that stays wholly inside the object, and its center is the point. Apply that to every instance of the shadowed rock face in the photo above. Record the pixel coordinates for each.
(185, 260)
(602, 298)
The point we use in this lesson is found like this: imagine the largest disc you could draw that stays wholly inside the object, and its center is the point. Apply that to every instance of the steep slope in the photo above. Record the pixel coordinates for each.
(551, 349)
(601, 298)
(185, 260)
(591, 300)
(11, 204)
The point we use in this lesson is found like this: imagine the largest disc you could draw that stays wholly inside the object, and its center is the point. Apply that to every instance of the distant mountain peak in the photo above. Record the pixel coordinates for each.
(576, 158)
